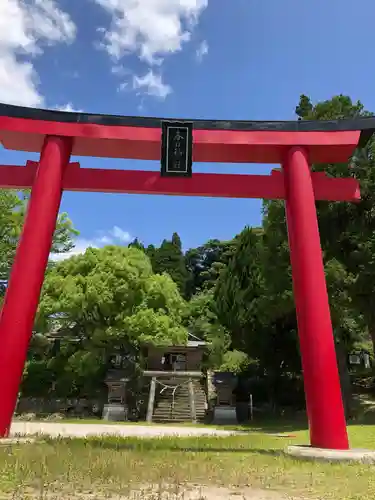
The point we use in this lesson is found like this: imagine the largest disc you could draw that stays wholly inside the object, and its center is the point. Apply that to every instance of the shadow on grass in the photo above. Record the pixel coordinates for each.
(362, 420)
(170, 446)
(285, 426)
(199, 444)
(289, 426)
(275, 426)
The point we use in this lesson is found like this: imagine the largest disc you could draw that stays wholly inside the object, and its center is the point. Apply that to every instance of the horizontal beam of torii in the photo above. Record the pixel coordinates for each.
(209, 185)
(229, 141)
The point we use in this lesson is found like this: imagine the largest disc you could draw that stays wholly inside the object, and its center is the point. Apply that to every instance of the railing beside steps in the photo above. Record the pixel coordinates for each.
(176, 396)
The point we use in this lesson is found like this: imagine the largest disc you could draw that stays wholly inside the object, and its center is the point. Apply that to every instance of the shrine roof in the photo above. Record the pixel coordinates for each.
(236, 141)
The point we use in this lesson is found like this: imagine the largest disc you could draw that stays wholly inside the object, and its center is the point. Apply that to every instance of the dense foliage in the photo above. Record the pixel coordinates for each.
(13, 206)
(236, 295)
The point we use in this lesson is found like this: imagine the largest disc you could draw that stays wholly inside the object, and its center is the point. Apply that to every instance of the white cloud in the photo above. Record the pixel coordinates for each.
(18, 81)
(104, 240)
(81, 245)
(202, 51)
(152, 84)
(120, 235)
(68, 107)
(120, 70)
(151, 29)
(115, 236)
(25, 28)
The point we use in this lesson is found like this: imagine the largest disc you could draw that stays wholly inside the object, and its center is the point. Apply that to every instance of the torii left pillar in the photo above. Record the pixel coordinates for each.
(27, 275)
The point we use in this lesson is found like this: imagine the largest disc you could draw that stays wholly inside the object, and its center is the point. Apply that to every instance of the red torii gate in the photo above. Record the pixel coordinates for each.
(294, 145)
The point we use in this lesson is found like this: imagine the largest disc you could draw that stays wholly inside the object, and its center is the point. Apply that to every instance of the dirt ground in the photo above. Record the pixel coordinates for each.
(83, 430)
(206, 493)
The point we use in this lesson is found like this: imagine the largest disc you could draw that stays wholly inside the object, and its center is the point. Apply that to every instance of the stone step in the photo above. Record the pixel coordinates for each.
(185, 387)
(186, 411)
(178, 408)
(181, 390)
(180, 402)
(170, 420)
(175, 411)
(178, 393)
(180, 416)
(177, 418)
(179, 397)
(175, 407)
(186, 416)
(196, 393)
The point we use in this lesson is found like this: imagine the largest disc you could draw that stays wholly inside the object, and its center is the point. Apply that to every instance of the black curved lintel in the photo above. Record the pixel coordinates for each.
(365, 125)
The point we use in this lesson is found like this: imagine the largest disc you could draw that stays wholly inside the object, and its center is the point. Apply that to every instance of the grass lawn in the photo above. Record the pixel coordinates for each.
(108, 467)
(267, 425)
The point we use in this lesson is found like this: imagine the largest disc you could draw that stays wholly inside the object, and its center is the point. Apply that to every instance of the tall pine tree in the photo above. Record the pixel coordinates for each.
(205, 263)
(239, 288)
(169, 258)
(137, 244)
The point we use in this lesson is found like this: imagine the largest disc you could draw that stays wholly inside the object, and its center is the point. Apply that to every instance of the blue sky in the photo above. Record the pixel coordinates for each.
(219, 59)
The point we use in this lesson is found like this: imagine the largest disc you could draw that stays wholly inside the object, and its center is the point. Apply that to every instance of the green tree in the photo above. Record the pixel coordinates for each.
(137, 244)
(13, 207)
(11, 217)
(347, 229)
(260, 325)
(239, 288)
(346, 233)
(169, 258)
(304, 107)
(205, 263)
(201, 320)
(111, 300)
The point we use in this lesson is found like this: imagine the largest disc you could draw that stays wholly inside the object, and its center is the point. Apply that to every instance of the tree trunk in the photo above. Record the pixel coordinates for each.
(346, 386)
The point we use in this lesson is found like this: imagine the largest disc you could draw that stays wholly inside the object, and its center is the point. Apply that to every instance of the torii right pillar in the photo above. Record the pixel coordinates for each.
(324, 403)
